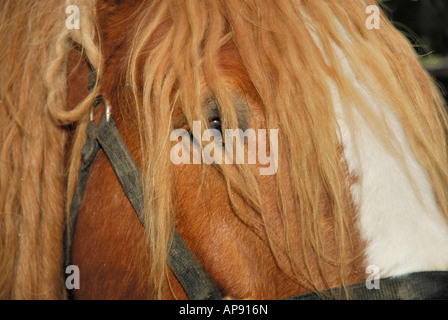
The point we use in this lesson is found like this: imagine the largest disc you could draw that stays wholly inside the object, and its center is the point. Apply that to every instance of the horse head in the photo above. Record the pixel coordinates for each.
(349, 126)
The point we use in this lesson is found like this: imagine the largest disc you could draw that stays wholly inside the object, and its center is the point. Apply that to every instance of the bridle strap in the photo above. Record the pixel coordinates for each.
(428, 285)
(181, 261)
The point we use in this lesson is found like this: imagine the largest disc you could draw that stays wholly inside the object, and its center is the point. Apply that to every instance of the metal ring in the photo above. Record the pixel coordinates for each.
(92, 111)
(108, 110)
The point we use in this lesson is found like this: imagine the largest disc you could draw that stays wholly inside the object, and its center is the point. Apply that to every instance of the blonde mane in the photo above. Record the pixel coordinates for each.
(277, 45)
(33, 90)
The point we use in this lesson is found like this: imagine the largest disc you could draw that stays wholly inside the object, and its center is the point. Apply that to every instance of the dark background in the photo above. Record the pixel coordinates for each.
(425, 23)
(426, 18)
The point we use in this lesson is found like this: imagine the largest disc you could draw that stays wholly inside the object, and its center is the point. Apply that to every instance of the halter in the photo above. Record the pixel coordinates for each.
(183, 264)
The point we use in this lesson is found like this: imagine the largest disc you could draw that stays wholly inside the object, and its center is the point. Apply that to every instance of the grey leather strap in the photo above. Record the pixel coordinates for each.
(430, 285)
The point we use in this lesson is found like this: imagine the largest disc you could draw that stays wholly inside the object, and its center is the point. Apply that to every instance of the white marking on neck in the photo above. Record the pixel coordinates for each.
(403, 234)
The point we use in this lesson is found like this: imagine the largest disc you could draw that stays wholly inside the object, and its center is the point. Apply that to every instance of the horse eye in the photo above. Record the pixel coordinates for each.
(215, 123)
